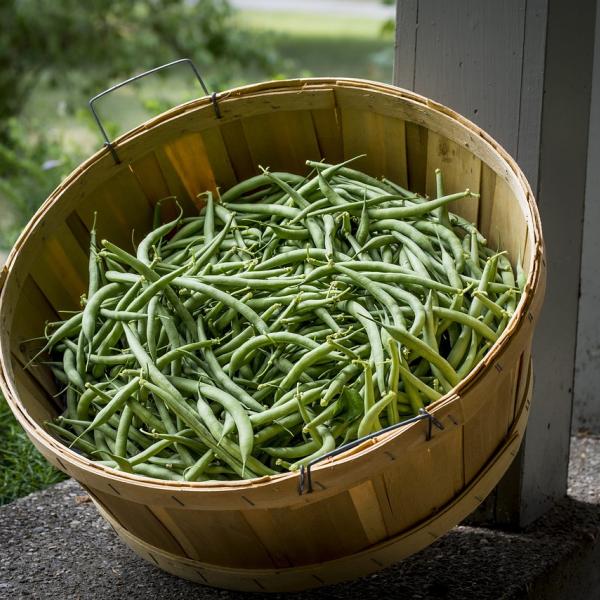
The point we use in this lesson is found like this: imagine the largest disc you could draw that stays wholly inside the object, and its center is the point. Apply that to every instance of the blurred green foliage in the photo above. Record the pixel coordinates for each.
(31, 166)
(83, 47)
(45, 40)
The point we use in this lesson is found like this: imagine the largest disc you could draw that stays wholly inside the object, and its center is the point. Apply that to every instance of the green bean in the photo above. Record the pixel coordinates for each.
(421, 386)
(294, 451)
(468, 320)
(70, 369)
(377, 292)
(448, 236)
(355, 208)
(521, 276)
(92, 307)
(240, 417)
(244, 353)
(422, 349)
(207, 253)
(327, 446)
(115, 403)
(222, 378)
(143, 249)
(362, 316)
(93, 267)
(123, 431)
(177, 404)
(69, 327)
(404, 212)
(194, 473)
(370, 422)
(325, 415)
(397, 274)
(254, 182)
(285, 408)
(351, 174)
(287, 212)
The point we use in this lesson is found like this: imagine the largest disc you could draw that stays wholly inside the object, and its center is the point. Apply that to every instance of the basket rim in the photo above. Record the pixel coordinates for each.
(534, 284)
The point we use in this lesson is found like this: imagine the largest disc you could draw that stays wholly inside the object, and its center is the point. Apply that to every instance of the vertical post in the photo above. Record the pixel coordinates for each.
(586, 411)
(521, 69)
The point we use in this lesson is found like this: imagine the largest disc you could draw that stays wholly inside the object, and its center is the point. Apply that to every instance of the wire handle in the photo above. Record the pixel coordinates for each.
(107, 142)
(305, 479)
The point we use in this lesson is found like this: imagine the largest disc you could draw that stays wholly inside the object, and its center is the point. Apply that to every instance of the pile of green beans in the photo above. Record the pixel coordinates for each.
(292, 316)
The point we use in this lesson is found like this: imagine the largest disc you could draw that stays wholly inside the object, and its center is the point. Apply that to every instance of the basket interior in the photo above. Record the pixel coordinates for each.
(188, 151)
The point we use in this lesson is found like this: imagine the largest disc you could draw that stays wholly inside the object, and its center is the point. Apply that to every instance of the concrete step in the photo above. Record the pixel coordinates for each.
(55, 546)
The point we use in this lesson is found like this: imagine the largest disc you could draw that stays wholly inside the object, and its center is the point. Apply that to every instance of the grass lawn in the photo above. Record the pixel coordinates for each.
(327, 45)
(22, 468)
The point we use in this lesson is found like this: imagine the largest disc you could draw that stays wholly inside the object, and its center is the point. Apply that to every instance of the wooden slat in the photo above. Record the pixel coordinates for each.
(60, 270)
(79, 231)
(268, 530)
(416, 157)
(29, 322)
(327, 128)
(147, 172)
(188, 157)
(141, 521)
(521, 375)
(311, 533)
(485, 431)
(178, 530)
(282, 141)
(122, 210)
(381, 138)
(36, 401)
(175, 184)
(217, 156)
(460, 170)
(223, 538)
(364, 498)
(501, 228)
(486, 202)
(416, 483)
(236, 145)
(202, 163)
(274, 102)
(524, 379)
(150, 179)
(385, 502)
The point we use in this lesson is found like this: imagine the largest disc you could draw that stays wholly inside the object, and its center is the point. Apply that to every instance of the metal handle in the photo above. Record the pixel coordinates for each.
(305, 480)
(188, 61)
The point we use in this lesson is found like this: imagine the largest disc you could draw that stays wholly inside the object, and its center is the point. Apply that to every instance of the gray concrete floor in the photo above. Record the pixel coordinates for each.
(56, 546)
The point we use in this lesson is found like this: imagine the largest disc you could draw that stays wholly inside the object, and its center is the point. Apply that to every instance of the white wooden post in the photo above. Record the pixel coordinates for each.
(521, 69)
(586, 409)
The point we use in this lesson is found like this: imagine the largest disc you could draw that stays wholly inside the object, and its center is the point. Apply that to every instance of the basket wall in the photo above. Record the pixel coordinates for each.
(372, 506)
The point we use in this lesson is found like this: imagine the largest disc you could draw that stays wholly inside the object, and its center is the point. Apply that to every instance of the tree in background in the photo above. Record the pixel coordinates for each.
(107, 39)
(84, 46)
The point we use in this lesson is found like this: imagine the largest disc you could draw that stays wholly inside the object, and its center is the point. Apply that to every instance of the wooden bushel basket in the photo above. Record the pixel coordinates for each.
(373, 505)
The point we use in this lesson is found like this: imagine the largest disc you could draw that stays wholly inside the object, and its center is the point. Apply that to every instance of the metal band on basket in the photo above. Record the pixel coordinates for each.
(305, 478)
